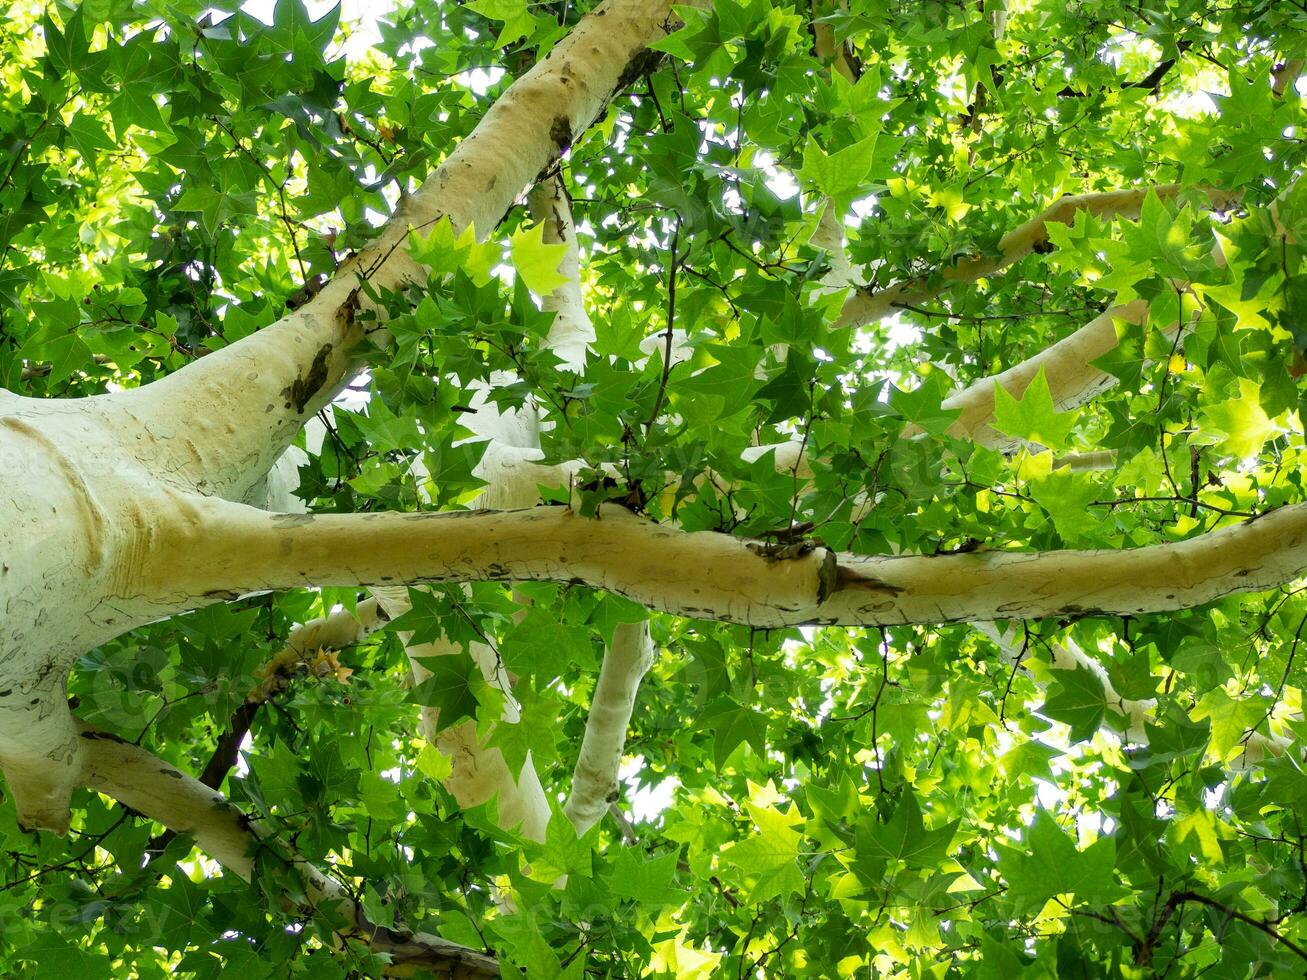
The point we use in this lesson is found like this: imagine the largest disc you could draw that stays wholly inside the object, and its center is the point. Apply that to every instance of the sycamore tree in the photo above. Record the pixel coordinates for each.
(740, 489)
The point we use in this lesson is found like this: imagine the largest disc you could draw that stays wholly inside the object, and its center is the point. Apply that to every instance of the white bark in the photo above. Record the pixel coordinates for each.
(1066, 656)
(572, 331)
(480, 772)
(152, 787)
(217, 425)
(1257, 748)
(594, 781)
(234, 549)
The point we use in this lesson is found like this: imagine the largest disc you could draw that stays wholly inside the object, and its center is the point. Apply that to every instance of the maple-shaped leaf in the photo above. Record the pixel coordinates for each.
(423, 619)
(537, 261)
(768, 860)
(1079, 701)
(1242, 421)
(451, 687)
(904, 837)
(1032, 417)
(1050, 864)
(923, 407)
(731, 724)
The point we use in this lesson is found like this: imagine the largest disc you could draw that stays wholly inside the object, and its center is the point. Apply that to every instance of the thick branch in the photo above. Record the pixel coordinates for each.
(572, 331)
(184, 805)
(230, 549)
(1072, 381)
(869, 305)
(594, 781)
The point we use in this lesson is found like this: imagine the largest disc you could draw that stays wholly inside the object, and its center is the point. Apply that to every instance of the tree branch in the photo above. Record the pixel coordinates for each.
(1286, 76)
(572, 332)
(229, 549)
(1072, 378)
(480, 772)
(594, 780)
(218, 424)
(869, 305)
(152, 787)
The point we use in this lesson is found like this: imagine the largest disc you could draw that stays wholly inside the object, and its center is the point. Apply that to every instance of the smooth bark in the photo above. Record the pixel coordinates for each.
(594, 780)
(235, 549)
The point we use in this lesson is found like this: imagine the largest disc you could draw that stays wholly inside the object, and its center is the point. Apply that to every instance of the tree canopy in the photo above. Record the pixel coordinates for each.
(851, 464)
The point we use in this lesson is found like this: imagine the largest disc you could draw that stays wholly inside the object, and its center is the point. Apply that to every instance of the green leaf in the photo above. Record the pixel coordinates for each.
(536, 261)
(904, 837)
(518, 21)
(452, 687)
(1242, 422)
(731, 724)
(424, 620)
(1079, 701)
(649, 882)
(768, 859)
(1032, 416)
(1049, 864)
(434, 764)
(842, 174)
(922, 405)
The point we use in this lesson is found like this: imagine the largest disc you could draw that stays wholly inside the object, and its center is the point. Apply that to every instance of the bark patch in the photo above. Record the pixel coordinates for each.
(642, 63)
(561, 133)
(847, 578)
(104, 737)
(302, 390)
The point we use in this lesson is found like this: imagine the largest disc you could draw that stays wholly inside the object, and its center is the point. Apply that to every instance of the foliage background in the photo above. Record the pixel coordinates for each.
(814, 802)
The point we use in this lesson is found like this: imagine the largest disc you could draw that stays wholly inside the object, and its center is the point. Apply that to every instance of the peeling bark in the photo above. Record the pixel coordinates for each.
(120, 468)
(480, 772)
(270, 382)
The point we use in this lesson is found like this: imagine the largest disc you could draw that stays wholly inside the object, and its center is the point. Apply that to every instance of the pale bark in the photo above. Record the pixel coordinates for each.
(1286, 76)
(628, 657)
(572, 331)
(594, 780)
(235, 549)
(479, 772)
(869, 305)
(1072, 381)
(1257, 748)
(152, 787)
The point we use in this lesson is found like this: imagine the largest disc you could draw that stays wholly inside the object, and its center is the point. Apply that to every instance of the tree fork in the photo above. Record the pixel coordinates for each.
(219, 423)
